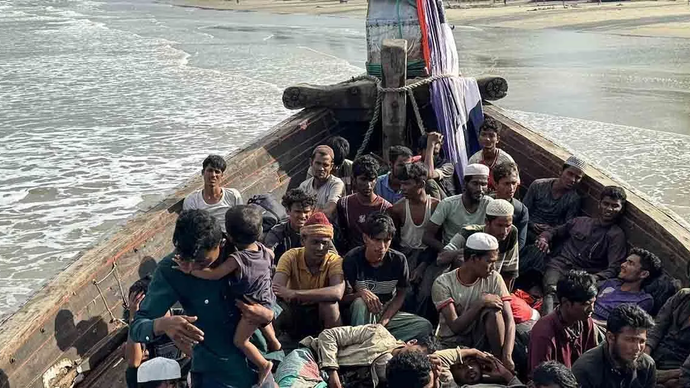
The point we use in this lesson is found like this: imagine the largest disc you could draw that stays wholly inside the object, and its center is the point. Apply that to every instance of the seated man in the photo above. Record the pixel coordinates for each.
(638, 268)
(326, 187)
(342, 166)
(310, 281)
(441, 170)
(551, 202)
(568, 331)
(379, 278)
(411, 215)
(352, 354)
(388, 185)
(454, 213)
(213, 198)
(669, 341)
(474, 302)
(353, 209)
(595, 245)
(507, 179)
(490, 155)
(208, 335)
(158, 372)
(498, 223)
(620, 361)
(285, 235)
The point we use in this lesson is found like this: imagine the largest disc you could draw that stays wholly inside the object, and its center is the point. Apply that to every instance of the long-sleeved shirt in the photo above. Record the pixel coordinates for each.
(595, 369)
(590, 246)
(211, 302)
(545, 209)
(550, 340)
(669, 339)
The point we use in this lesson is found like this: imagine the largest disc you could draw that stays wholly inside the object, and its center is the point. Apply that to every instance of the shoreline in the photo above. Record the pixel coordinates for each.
(670, 19)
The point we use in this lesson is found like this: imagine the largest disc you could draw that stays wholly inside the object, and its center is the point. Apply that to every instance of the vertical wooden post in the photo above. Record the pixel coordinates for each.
(394, 105)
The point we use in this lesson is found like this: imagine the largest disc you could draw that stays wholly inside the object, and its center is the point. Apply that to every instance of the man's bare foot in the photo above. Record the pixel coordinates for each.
(264, 371)
(273, 344)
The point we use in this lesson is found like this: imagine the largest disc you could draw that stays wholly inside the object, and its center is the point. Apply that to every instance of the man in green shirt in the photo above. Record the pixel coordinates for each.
(207, 331)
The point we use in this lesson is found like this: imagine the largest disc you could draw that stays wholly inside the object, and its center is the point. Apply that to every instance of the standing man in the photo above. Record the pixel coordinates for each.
(498, 223)
(507, 179)
(213, 198)
(568, 331)
(620, 362)
(454, 213)
(352, 210)
(388, 185)
(595, 245)
(474, 302)
(285, 235)
(310, 281)
(379, 278)
(323, 185)
(207, 332)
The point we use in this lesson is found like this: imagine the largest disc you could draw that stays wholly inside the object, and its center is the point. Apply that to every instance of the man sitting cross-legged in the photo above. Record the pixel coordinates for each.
(379, 278)
(310, 281)
(596, 245)
(568, 331)
(474, 302)
(498, 223)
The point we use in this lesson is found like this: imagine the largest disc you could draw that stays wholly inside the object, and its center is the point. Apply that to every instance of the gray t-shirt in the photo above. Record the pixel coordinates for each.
(451, 215)
(230, 198)
(331, 191)
(545, 209)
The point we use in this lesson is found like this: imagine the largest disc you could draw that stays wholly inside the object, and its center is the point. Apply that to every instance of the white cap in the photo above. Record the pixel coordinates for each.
(576, 162)
(499, 208)
(476, 169)
(158, 369)
(482, 242)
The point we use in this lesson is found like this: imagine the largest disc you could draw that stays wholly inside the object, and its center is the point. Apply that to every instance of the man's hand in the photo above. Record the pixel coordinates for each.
(334, 379)
(283, 292)
(542, 244)
(476, 353)
(496, 370)
(492, 301)
(180, 329)
(436, 365)
(178, 261)
(418, 274)
(372, 301)
(255, 313)
(434, 138)
(133, 303)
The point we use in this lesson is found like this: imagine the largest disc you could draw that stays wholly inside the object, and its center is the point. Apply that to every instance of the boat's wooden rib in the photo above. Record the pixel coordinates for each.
(645, 225)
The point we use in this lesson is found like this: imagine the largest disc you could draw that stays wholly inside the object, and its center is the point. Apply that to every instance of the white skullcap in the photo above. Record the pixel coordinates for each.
(476, 169)
(158, 369)
(576, 162)
(499, 208)
(482, 242)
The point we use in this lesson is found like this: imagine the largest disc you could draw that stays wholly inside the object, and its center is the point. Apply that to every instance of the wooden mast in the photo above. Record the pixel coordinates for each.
(394, 105)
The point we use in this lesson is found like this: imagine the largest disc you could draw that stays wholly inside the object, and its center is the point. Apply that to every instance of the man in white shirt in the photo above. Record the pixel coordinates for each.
(213, 198)
(327, 189)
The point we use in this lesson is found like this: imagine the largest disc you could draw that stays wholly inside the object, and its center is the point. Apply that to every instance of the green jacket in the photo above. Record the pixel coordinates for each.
(211, 302)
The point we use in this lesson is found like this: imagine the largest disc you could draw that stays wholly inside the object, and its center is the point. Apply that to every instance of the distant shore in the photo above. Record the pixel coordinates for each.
(642, 18)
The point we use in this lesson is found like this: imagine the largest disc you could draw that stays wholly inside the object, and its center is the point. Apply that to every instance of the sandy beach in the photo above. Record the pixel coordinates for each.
(642, 18)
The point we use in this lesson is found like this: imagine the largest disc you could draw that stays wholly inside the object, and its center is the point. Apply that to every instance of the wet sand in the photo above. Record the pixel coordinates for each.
(643, 18)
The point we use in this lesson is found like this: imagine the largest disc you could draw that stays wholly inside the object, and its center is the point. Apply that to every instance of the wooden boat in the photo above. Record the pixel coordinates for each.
(71, 326)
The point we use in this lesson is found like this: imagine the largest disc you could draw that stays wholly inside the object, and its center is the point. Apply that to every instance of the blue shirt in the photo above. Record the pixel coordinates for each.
(383, 189)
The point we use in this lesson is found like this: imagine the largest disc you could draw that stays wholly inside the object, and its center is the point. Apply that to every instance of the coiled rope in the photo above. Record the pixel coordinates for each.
(380, 90)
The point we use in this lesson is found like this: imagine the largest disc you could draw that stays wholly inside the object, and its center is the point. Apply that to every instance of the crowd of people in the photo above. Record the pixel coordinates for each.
(406, 279)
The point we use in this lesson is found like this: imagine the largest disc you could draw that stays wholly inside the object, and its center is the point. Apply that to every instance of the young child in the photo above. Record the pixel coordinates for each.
(490, 155)
(249, 272)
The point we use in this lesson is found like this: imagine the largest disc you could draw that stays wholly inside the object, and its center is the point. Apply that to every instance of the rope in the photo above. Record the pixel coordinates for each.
(379, 98)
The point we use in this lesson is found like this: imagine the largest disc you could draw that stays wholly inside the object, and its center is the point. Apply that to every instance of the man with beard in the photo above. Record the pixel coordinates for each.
(474, 302)
(326, 187)
(379, 278)
(568, 331)
(551, 202)
(353, 209)
(507, 179)
(285, 235)
(411, 217)
(454, 213)
(620, 362)
(388, 185)
(498, 223)
(595, 245)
